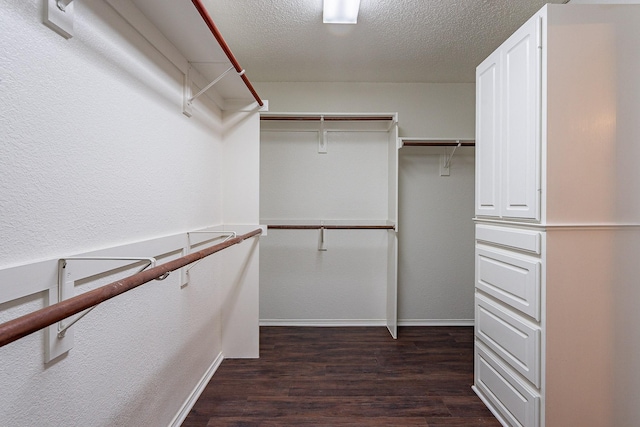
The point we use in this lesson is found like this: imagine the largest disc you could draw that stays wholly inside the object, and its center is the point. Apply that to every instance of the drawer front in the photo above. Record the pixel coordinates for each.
(525, 240)
(510, 337)
(510, 279)
(517, 403)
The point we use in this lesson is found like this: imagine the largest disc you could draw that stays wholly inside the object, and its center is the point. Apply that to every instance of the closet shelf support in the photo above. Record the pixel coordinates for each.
(210, 85)
(229, 235)
(63, 285)
(62, 4)
(59, 341)
(322, 245)
(322, 137)
(448, 163)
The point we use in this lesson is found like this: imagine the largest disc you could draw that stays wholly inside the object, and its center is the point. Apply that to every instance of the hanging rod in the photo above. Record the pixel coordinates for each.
(22, 326)
(327, 118)
(331, 227)
(225, 47)
(438, 143)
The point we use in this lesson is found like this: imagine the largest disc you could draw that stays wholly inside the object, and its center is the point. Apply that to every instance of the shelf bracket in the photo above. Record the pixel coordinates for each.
(227, 234)
(60, 336)
(322, 244)
(446, 160)
(58, 15)
(187, 91)
(322, 137)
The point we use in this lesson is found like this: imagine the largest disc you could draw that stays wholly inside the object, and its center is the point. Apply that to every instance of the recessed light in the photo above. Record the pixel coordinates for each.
(340, 11)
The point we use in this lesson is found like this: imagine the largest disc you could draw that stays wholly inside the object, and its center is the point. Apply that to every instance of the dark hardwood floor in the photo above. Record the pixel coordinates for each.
(347, 377)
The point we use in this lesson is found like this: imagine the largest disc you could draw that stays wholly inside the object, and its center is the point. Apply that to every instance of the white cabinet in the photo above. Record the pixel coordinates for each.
(508, 326)
(557, 203)
(508, 92)
(488, 131)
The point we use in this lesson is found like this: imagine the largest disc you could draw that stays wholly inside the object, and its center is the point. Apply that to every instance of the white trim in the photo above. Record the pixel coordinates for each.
(323, 322)
(197, 391)
(436, 322)
(364, 322)
(543, 227)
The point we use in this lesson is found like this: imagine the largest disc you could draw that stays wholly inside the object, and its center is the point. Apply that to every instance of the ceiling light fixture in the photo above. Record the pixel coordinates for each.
(340, 11)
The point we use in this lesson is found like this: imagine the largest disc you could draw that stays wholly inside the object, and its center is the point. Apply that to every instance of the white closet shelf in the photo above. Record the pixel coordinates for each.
(329, 227)
(314, 224)
(185, 34)
(377, 122)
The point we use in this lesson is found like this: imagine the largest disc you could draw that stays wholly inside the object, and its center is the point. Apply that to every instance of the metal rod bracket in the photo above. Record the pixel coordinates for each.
(188, 97)
(186, 277)
(60, 336)
(322, 137)
(446, 159)
(322, 243)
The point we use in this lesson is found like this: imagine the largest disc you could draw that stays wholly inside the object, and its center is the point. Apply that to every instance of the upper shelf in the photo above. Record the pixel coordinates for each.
(183, 31)
(380, 122)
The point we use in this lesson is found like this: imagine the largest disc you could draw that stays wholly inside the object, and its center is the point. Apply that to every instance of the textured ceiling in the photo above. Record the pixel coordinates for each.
(394, 40)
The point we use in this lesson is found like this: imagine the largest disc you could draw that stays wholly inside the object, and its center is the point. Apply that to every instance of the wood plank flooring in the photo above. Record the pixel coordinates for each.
(347, 377)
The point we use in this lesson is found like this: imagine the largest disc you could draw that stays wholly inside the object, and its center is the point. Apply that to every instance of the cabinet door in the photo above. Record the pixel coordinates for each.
(520, 140)
(488, 137)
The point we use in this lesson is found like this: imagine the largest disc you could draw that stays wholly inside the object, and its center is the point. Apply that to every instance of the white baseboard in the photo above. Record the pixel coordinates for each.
(323, 322)
(436, 322)
(197, 391)
(364, 322)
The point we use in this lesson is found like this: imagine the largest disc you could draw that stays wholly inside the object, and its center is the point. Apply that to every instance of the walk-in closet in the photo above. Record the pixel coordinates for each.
(311, 213)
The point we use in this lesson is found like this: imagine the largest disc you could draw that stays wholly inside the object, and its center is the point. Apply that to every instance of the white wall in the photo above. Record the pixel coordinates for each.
(436, 232)
(436, 271)
(425, 109)
(95, 154)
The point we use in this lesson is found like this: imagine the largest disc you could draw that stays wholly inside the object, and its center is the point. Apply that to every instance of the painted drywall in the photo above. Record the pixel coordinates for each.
(436, 235)
(424, 109)
(435, 265)
(96, 154)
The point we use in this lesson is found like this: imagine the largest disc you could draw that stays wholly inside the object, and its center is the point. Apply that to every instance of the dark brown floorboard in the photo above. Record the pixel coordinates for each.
(347, 377)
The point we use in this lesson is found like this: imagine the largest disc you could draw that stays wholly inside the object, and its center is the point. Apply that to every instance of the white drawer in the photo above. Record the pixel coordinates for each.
(526, 240)
(517, 404)
(511, 279)
(510, 337)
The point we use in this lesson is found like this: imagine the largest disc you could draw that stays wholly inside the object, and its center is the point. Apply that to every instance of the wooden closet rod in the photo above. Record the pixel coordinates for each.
(32, 322)
(331, 227)
(225, 47)
(443, 143)
(327, 118)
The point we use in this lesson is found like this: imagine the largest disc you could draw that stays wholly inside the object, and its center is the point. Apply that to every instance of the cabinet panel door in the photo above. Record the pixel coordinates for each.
(488, 137)
(513, 339)
(521, 75)
(512, 238)
(511, 279)
(517, 404)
